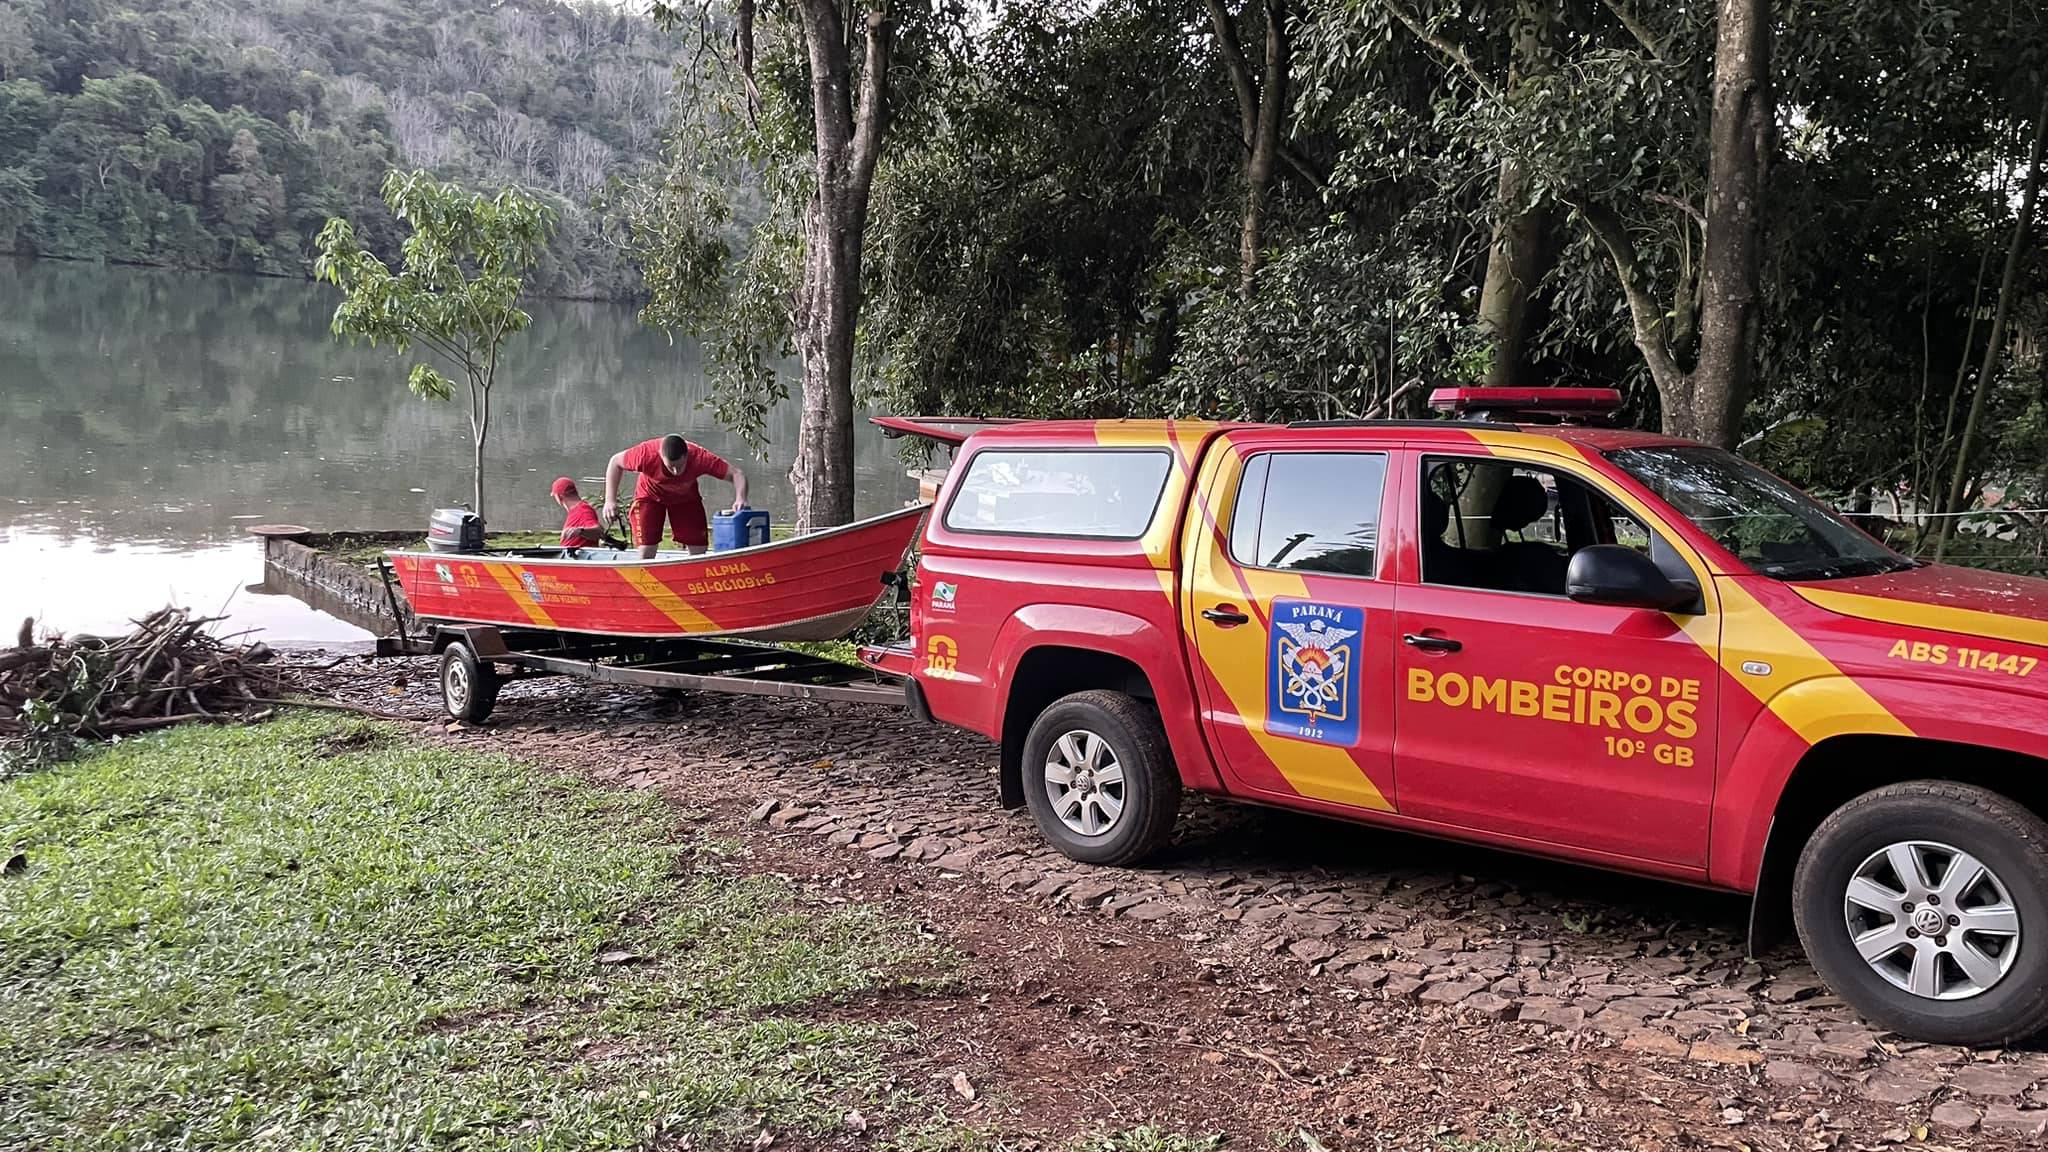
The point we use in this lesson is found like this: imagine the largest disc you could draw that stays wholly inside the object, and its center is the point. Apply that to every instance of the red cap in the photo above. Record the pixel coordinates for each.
(564, 487)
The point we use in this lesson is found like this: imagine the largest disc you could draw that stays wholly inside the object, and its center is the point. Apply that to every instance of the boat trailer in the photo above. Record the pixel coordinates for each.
(475, 659)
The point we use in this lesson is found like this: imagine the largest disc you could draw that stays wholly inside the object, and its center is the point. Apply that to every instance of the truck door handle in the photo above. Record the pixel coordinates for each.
(1225, 615)
(1431, 643)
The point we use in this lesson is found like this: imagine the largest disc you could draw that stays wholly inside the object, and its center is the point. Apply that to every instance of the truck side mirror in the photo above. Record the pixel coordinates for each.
(1625, 578)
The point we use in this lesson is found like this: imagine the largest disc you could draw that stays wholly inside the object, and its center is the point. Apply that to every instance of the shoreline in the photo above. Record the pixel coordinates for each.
(307, 277)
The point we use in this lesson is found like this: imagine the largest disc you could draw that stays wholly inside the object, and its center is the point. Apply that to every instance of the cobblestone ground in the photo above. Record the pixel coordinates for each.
(1417, 929)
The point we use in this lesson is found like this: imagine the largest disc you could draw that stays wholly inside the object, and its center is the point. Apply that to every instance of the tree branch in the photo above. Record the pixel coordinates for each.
(444, 346)
(1637, 29)
(1386, 406)
(1240, 69)
(1273, 86)
(1303, 166)
(1994, 346)
(871, 115)
(1451, 51)
(1647, 317)
(743, 51)
(830, 113)
(1682, 206)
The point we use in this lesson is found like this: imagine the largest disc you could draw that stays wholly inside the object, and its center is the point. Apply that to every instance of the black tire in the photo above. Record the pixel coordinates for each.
(1150, 799)
(2007, 838)
(469, 687)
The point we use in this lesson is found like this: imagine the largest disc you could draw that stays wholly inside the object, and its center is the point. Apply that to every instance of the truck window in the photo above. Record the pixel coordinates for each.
(1310, 511)
(1104, 493)
(1513, 527)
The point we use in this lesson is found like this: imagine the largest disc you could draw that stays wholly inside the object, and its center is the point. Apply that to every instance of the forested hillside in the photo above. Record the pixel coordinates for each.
(223, 133)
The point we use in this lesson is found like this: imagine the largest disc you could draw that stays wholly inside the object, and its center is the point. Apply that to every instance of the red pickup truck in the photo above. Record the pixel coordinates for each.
(1602, 645)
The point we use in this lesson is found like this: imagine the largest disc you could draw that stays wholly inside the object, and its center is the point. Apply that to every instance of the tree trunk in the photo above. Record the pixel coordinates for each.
(477, 476)
(1520, 252)
(1262, 117)
(1994, 347)
(1706, 402)
(1739, 161)
(1159, 343)
(480, 425)
(1258, 172)
(849, 135)
(823, 472)
(1514, 265)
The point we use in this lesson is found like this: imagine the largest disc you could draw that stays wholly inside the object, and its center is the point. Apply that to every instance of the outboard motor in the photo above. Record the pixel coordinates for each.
(455, 530)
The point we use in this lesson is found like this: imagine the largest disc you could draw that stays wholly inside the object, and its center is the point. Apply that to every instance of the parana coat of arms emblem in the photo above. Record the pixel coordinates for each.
(1311, 680)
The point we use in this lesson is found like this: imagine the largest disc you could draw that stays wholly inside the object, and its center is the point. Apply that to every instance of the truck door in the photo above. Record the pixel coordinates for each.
(1526, 714)
(1292, 628)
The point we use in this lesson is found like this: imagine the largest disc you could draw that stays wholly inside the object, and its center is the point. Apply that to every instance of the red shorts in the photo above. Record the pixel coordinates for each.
(685, 523)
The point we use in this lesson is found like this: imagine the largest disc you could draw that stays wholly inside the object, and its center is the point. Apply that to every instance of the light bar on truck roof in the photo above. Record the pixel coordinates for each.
(1481, 402)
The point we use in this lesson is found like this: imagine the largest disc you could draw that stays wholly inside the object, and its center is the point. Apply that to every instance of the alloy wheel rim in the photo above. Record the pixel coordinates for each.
(1084, 780)
(1932, 920)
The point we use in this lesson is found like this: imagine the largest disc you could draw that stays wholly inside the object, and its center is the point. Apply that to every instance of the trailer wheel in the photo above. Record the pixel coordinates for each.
(469, 687)
(1925, 906)
(1099, 780)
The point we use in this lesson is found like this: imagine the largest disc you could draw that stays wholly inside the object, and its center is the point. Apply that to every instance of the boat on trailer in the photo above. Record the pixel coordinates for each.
(676, 623)
(818, 586)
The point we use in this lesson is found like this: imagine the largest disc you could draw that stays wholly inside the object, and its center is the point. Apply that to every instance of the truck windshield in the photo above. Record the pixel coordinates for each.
(1772, 527)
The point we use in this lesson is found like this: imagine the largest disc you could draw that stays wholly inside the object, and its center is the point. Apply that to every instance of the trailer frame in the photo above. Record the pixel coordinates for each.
(474, 658)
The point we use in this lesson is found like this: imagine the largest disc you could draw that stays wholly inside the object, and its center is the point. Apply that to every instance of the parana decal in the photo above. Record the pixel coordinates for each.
(1312, 688)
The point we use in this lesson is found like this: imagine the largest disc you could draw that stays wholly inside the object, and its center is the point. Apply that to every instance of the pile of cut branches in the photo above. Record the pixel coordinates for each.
(65, 690)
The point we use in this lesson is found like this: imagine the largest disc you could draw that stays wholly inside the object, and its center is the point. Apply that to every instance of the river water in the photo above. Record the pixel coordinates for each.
(148, 417)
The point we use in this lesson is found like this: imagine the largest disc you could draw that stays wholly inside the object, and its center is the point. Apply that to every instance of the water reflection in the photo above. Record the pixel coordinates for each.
(73, 584)
(172, 408)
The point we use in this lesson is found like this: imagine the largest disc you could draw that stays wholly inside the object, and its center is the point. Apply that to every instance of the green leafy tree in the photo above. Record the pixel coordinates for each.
(457, 293)
(818, 91)
(1025, 252)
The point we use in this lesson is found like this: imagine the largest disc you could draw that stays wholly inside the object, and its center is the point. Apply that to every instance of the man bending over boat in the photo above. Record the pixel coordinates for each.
(580, 528)
(669, 467)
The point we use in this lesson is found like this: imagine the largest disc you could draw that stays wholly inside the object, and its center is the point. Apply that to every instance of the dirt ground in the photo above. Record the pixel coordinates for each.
(1275, 975)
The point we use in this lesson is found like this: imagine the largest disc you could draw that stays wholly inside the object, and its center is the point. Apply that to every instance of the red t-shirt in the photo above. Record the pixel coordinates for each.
(581, 516)
(673, 489)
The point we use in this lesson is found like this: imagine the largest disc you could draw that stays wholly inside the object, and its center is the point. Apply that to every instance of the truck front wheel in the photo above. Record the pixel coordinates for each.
(1099, 780)
(1925, 905)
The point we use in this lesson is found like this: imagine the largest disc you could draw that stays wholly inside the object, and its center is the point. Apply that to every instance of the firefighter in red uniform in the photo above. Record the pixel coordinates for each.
(669, 467)
(580, 528)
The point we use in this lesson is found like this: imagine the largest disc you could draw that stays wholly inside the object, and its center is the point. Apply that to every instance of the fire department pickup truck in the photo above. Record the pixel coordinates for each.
(1608, 646)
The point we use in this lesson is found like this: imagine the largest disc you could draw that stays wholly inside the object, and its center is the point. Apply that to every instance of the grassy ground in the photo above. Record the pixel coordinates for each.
(319, 934)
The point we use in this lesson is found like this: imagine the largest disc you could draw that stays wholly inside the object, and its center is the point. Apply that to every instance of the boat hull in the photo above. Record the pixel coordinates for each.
(814, 587)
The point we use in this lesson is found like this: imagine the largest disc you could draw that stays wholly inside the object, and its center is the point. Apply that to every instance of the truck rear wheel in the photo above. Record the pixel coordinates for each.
(1099, 780)
(469, 687)
(1925, 906)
